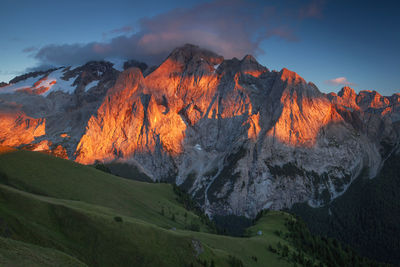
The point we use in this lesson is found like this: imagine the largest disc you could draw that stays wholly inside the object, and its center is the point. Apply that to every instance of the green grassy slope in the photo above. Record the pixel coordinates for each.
(55, 203)
(20, 254)
(57, 212)
(93, 237)
(44, 175)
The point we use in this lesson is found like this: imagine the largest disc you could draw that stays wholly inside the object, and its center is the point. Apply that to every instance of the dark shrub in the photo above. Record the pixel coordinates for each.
(117, 219)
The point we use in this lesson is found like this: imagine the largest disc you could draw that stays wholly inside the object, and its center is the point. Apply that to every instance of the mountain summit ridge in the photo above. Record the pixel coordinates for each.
(238, 137)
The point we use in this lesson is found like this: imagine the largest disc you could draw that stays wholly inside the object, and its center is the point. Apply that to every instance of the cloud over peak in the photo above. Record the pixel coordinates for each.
(230, 28)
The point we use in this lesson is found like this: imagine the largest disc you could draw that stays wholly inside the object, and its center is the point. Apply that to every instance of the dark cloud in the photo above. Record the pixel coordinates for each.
(230, 28)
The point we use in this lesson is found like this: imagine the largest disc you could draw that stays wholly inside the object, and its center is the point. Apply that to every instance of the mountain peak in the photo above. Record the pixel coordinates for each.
(290, 76)
(347, 92)
(249, 58)
(190, 52)
(371, 99)
(249, 65)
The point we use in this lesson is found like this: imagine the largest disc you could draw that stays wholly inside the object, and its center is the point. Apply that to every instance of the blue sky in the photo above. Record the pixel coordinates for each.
(331, 43)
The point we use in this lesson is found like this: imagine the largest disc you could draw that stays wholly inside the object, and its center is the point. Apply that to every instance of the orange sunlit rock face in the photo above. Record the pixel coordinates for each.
(254, 128)
(255, 73)
(42, 146)
(387, 111)
(64, 135)
(140, 113)
(291, 77)
(17, 129)
(347, 98)
(59, 151)
(46, 146)
(105, 135)
(304, 113)
(130, 121)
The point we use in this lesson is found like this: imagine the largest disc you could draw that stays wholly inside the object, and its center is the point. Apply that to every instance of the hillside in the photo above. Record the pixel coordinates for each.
(366, 216)
(72, 208)
(57, 212)
(19, 254)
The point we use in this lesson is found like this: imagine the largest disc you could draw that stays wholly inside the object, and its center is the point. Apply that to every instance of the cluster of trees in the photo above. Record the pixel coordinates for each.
(100, 166)
(232, 261)
(366, 217)
(313, 250)
(123, 170)
(232, 225)
(189, 204)
(3, 178)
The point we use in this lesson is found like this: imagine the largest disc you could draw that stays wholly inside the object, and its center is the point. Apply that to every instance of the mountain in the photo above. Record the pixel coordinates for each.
(235, 135)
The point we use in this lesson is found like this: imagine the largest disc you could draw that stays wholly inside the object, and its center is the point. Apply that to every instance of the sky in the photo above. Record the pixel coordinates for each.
(332, 43)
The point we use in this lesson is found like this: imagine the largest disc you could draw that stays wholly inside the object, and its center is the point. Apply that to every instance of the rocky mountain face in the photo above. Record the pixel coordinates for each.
(237, 136)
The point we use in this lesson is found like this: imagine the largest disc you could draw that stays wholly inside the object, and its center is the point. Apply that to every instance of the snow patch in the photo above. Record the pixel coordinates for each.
(91, 85)
(216, 67)
(198, 147)
(27, 83)
(60, 85)
(254, 87)
(52, 82)
(118, 63)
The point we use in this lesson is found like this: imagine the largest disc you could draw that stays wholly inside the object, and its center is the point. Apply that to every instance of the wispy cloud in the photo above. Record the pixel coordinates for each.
(42, 67)
(29, 49)
(339, 81)
(314, 9)
(119, 31)
(231, 28)
(284, 33)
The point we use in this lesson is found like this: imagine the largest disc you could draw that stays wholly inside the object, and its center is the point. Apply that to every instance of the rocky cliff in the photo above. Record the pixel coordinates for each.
(237, 136)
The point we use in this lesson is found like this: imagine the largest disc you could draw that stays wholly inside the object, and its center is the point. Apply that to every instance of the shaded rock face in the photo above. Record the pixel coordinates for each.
(238, 137)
